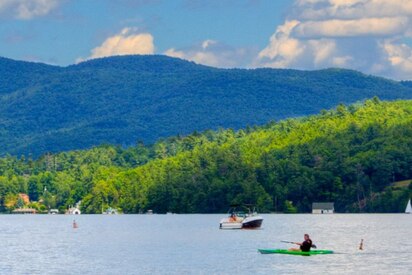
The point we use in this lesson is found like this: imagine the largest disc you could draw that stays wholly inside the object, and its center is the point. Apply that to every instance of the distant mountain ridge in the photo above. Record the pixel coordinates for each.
(122, 99)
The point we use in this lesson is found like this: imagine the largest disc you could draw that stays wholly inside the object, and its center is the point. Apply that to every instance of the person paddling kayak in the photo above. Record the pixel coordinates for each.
(305, 246)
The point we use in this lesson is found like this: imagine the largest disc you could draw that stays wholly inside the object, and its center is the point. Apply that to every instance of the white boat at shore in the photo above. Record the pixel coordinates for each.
(241, 219)
(110, 211)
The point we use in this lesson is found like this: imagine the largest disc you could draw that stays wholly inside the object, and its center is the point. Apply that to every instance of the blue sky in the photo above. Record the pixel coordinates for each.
(73, 28)
(373, 36)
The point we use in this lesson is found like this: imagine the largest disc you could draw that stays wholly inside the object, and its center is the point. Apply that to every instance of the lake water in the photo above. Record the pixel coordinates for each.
(193, 244)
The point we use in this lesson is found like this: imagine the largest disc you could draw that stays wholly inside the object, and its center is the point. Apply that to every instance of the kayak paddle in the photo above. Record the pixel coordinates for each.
(313, 246)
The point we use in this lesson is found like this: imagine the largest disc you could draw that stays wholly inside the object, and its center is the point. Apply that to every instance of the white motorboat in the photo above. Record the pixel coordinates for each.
(241, 219)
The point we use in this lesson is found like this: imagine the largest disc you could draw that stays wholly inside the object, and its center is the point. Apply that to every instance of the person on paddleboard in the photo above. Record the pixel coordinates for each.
(305, 245)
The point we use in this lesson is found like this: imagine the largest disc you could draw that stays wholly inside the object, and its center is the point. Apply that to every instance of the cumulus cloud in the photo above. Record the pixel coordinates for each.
(366, 35)
(213, 53)
(27, 9)
(351, 9)
(387, 26)
(207, 43)
(283, 49)
(399, 56)
(128, 41)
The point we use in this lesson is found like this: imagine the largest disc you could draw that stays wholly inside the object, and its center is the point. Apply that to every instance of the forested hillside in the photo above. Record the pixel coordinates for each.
(120, 100)
(350, 155)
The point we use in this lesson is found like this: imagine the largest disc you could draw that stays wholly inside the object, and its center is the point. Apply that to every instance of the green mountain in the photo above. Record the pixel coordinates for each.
(359, 157)
(121, 100)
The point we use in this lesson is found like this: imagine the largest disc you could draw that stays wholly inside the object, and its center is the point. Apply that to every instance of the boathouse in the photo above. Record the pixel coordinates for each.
(24, 211)
(323, 208)
(74, 210)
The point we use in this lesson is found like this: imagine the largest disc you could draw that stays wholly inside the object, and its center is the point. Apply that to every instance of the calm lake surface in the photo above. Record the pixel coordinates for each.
(193, 244)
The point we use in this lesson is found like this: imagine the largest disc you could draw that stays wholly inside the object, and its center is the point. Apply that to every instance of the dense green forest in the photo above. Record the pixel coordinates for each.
(350, 155)
(118, 100)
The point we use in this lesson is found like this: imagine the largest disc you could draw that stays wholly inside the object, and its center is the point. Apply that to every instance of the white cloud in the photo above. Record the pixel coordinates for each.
(212, 53)
(27, 9)
(343, 61)
(323, 49)
(387, 26)
(174, 53)
(286, 51)
(207, 43)
(352, 9)
(282, 45)
(366, 35)
(128, 41)
(399, 56)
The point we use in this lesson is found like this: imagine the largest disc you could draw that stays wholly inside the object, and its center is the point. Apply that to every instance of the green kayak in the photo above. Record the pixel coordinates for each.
(285, 251)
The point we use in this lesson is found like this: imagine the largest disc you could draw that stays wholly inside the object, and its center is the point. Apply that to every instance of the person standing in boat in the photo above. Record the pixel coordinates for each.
(233, 217)
(305, 245)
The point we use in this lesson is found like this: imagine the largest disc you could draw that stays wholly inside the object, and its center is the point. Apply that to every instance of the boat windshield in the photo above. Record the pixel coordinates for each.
(242, 211)
(240, 214)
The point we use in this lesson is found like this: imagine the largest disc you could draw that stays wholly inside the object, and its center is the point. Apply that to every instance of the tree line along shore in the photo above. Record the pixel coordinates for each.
(357, 156)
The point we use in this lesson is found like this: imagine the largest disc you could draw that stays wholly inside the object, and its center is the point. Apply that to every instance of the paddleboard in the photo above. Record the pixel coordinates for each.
(285, 251)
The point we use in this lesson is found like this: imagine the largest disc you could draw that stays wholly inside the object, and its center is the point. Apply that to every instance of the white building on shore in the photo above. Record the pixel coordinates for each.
(74, 210)
(323, 208)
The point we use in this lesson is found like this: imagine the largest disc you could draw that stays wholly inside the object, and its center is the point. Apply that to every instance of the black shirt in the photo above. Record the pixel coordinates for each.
(306, 245)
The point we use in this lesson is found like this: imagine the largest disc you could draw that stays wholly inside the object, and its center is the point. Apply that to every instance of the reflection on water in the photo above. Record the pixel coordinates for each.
(193, 244)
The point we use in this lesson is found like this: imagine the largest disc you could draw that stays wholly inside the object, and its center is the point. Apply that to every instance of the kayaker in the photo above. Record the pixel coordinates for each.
(305, 246)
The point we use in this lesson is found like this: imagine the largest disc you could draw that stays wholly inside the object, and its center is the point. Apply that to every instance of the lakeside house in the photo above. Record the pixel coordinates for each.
(323, 208)
(74, 210)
